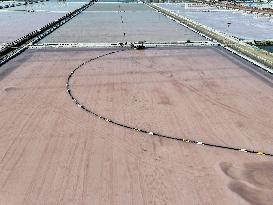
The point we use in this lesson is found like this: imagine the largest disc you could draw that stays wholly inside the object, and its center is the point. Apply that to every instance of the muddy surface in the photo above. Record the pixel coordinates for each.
(252, 181)
(52, 152)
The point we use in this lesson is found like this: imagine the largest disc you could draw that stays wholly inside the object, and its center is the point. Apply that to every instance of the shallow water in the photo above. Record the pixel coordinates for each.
(268, 48)
(16, 22)
(234, 23)
(102, 23)
(115, 6)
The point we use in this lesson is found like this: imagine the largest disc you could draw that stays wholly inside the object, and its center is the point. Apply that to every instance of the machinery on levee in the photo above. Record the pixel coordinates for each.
(138, 46)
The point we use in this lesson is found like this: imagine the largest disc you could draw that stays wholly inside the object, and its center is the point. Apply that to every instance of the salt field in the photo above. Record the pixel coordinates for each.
(259, 5)
(3, 3)
(51, 6)
(12, 27)
(156, 89)
(234, 23)
(41, 13)
(163, 123)
(103, 23)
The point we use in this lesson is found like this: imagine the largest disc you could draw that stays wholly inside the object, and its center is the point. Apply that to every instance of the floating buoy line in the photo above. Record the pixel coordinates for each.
(151, 133)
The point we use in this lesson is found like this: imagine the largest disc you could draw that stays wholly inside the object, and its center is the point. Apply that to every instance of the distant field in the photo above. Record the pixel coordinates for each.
(234, 23)
(104, 23)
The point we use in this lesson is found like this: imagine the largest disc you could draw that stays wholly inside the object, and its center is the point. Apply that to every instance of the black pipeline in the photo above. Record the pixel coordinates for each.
(151, 133)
